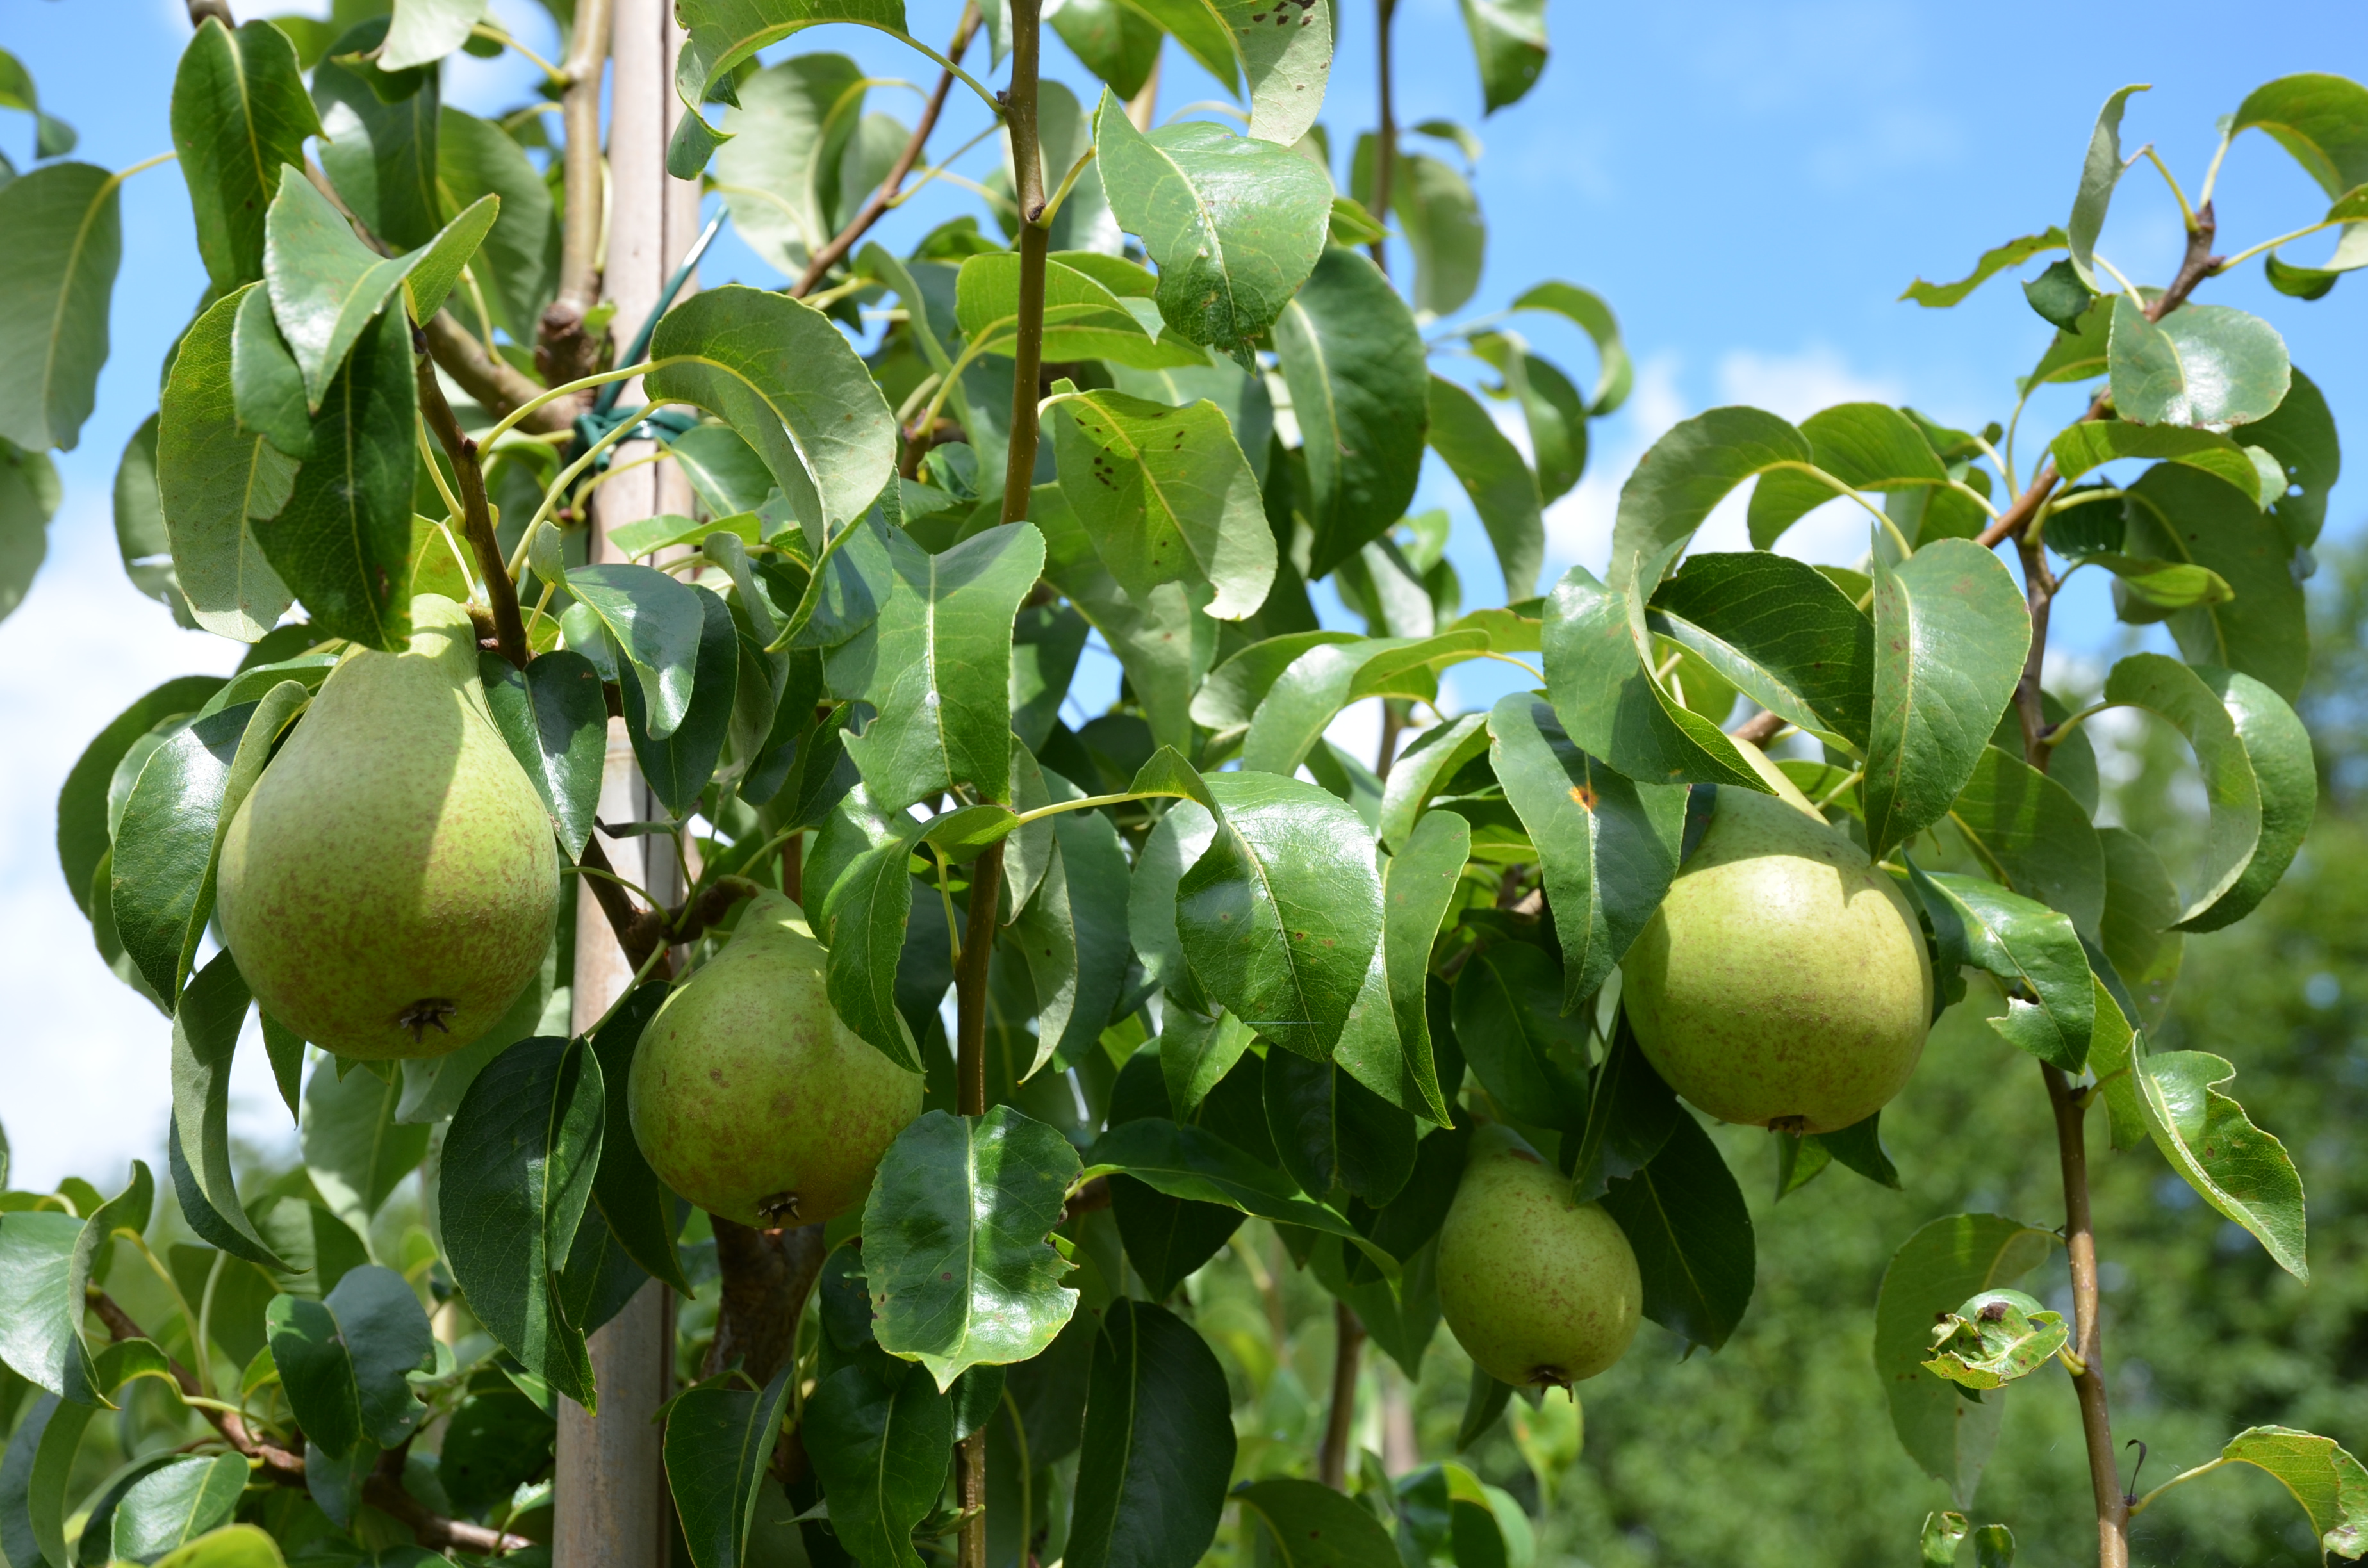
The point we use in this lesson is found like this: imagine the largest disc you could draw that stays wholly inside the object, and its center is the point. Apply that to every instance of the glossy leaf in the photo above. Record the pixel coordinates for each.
(1440, 216)
(174, 1504)
(1279, 917)
(1160, 641)
(2051, 1002)
(1304, 1524)
(212, 477)
(779, 172)
(1083, 319)
(66, 238)
(1182, 836)
(165, 839)
(787, 381)
(655, 622)
(1586, 310)
(1509, 1018)
(556, 722)
(879, 1435)
(1235, 224)
(1386, 1045)
(937, 667)
(1608, 846)
(640, 1214)
(1332, 1131)
(1996, 259)
(1938, 1268)
(205, 1037)
(2208, 365)
(1166, 494)
(513, 1182)
(1688, 471)
(679, 764)
(866, 902)
(240, 115)
(2140, 908)
(342, 1359)
(1950, 635)
(40, 1337)
(1289, 723)
(956, 1252)
(1779, 631)
(2093, 442)
(2258, 780)
(83, 833)
(1113, 40)
(1610, 706)
(2030, 834)
(342, 542)
(2240, 1170)
(1686, 1218)
(354, 1149)
(719, 1442)
(1425, 769)
(1867, 446)
(2099, 172)
(1158, 1444)
(517, 265)
(2175, 514)
(380, 153)
(1493, 474)
(1190, 1161)
(2316, 118)
(1353, 360)
(2321, 1475)
(1509, 41)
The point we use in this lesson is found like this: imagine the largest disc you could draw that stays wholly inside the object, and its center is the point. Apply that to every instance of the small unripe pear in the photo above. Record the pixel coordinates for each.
(390, 884)
(751, 1097)
(1539, 1290)
(1783, 981)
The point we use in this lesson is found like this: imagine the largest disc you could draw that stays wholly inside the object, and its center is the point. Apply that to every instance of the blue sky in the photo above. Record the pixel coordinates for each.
(1750, 186)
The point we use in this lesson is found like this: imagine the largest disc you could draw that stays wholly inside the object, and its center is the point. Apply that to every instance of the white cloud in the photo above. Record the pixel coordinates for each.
(1797, 385)
(85, 1067)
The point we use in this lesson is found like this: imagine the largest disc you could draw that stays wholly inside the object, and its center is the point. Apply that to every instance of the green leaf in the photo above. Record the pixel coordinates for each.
(1610, 706)
(1279, 917)
(512, 1184)
(1509, 1017)
(1440, 219)
(1553, 410)
(39, 1460)
(1111, 39)
(937, 666)
(783, 376)
(52, 137)
(1938, 1266)
(2176, 513)
(1083, 319)
(2014, 253)
(342, 542)
(2030, 834)
(1165, 496)
(423, 31)
(2099, 172)
(380, 153)
(1304, 1524)
(1228, 700)
(1285, 56)
(1994, 1338)
(28, 498)
(240, 115)
(1235, 224)
(555, 721)
(205, 1037)
(1290, 718)
(169, 834)
(1608, 846)
(2148, 588)
(83, 835)
(1692, 1235)
(2258, 780)
(355, 1151)
(2136, 934)
(1688, 471)
(2208, 365)
(342, 1360)
(1425, 769)
(1586, 310)
(212, 477)
(1188, 1162)
(719, 1443)
(1503, 490)
(1162, 642)
(65, 227)
(655, 622)
(1352, 356)
(1779, 631)
(40, 1337)
(679, 764)
(2322, 120)
(1386, 1044)
(640, 1214)
(1509, 41)
(864, 913)
(2300, 435)
(2051, 1002)
(1158, 1444)
(2091, 443)
(518, 267)
(955, 1241)
(2240, 1170)
(1867, 446)
(2058, 297)
(1950, 635)
(174, 1504)
(1331, 1131)
(879, 1435)
(2321, 1473)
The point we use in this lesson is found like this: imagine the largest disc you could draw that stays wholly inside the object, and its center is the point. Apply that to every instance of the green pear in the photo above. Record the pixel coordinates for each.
(1784, 981)
(390, 885)
(751, 1097)
(1539, 1290)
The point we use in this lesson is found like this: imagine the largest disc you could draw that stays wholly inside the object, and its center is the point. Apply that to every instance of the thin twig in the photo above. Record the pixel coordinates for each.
(1332, 1459)
(2080, 1245)
(476, 515)
(833, 253)
(1385, 135)
(563, 351)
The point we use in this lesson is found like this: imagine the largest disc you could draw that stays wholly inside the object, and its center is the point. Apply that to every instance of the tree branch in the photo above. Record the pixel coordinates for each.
(563, 351)
(1332, 1459)
(476, 516)
(767, 1277)
(496, 384)
(382, 1491)
(833, 253)
(1028, 186)
(970, 1076)
(1385, 135)
(2080, 1245)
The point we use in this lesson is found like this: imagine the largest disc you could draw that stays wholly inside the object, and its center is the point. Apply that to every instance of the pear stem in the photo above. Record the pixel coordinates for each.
(476, 515)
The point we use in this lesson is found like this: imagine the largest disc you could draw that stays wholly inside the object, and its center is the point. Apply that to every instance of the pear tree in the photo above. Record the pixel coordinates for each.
(933, 1030)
